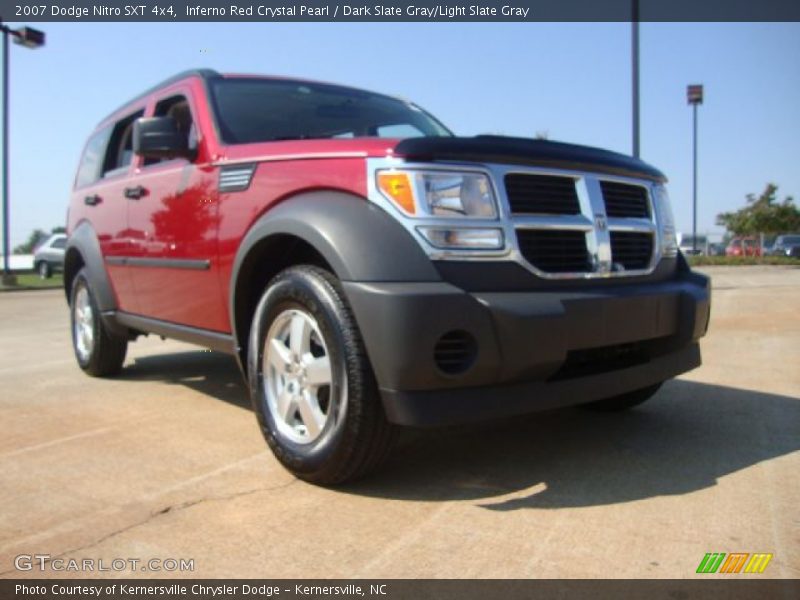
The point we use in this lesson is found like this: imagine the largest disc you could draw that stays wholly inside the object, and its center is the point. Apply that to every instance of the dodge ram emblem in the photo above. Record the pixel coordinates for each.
(600, 222)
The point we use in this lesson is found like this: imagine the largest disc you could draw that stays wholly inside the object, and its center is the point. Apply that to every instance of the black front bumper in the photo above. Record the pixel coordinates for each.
(533, 350)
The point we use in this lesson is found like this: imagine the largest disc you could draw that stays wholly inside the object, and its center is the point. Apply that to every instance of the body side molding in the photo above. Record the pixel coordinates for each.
(163, 263)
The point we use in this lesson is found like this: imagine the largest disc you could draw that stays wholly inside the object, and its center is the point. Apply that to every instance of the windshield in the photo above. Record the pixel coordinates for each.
(262, 110)
(790, 239)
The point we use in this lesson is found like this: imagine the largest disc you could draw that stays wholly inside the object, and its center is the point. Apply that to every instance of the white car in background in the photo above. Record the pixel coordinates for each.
(49, 256)
(687, 245)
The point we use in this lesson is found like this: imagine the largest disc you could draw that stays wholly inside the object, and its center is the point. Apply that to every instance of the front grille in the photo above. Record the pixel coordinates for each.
(624, 200)
(633, 250)
(555, 251)
(542, 194)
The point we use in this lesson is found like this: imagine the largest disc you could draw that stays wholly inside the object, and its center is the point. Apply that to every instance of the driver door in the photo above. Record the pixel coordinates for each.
(173, 223)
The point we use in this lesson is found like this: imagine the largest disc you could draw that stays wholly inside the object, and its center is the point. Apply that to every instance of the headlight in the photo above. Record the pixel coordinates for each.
(665, 222)
(438, 193)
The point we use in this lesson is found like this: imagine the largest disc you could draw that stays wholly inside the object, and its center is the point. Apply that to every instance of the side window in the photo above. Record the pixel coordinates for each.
(92, 159)
(120, 148)
(177, 107)
(59, 243)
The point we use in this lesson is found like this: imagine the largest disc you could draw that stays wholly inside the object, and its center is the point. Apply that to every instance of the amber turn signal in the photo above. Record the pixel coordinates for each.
(397, 187)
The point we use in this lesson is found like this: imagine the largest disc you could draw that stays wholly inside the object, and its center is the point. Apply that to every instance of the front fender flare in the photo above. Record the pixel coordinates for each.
(359, 241)
(357, 238)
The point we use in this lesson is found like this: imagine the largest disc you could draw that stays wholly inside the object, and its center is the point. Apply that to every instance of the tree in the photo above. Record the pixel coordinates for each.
(35, 238)
(763, 214)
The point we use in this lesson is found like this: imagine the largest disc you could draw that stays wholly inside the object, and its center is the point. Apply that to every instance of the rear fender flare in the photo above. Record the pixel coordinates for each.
(84, 245)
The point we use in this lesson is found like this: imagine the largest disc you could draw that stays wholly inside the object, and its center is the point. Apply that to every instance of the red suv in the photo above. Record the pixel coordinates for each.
(369, 269)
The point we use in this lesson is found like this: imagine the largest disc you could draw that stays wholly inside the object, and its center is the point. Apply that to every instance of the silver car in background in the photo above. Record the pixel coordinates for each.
(49, 256)
(786, 245)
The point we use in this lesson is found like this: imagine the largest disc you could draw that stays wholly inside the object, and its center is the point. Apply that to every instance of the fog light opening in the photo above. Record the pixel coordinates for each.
(455, 352)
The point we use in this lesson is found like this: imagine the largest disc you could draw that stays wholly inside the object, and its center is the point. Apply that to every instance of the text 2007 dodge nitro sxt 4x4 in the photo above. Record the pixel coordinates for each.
(367, 268)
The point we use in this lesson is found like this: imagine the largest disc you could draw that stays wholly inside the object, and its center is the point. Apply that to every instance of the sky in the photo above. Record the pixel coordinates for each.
(571, 81)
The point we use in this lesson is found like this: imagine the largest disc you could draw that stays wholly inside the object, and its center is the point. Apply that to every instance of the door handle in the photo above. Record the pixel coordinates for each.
(92, 200)
(134, 193)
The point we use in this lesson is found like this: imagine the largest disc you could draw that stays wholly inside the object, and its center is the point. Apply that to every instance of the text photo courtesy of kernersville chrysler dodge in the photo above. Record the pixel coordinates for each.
(369, 269)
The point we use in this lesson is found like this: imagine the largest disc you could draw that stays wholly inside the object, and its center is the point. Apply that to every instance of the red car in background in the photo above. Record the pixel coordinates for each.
(744, 246)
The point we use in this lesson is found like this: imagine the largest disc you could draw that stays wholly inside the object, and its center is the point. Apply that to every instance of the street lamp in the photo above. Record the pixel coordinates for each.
(694, 96)
(30, 38)
(635, 75)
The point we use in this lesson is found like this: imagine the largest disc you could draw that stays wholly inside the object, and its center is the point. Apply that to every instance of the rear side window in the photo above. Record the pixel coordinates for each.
(92, 159)
(120, 148)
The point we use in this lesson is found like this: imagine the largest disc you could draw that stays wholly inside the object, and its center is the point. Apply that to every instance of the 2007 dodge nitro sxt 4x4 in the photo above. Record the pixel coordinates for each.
(369, 269)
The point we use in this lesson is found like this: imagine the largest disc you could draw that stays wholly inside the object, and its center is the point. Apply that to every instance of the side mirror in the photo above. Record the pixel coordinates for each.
(158, 137)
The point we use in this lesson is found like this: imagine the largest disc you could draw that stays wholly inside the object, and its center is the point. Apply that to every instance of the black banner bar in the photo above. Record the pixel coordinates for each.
(728, 587)
(172, 11)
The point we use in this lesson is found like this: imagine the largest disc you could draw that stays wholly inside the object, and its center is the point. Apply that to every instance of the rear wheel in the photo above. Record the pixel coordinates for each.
(99, 351)
(311, 383)
(44, 270)
(624, 401)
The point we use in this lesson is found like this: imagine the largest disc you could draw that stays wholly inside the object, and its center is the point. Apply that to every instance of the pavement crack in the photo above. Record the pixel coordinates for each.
(223, 498)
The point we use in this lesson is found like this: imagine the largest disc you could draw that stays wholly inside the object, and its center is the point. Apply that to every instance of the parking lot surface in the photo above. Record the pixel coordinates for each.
(166, 461)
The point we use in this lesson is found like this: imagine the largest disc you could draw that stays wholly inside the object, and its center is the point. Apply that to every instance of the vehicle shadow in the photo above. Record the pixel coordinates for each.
(211, 373)
(682, 440)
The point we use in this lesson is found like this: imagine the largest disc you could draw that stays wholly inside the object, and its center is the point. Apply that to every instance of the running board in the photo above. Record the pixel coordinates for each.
(214, 340)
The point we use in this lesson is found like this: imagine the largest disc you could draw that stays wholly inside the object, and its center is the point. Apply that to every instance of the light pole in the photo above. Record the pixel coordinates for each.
(30, 38)
(694, 96)
(635, 74)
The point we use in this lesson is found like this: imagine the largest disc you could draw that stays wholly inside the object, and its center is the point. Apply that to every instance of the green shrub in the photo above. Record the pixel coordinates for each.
(701, 261)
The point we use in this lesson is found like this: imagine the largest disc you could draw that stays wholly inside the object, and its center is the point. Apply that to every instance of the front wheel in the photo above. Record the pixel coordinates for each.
(99, 351)
(624, 401)
(311, 383)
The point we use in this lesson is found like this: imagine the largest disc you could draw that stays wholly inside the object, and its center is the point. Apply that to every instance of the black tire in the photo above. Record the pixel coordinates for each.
(624, 401)
(44, 270)
(356, 436)
(107, 352)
